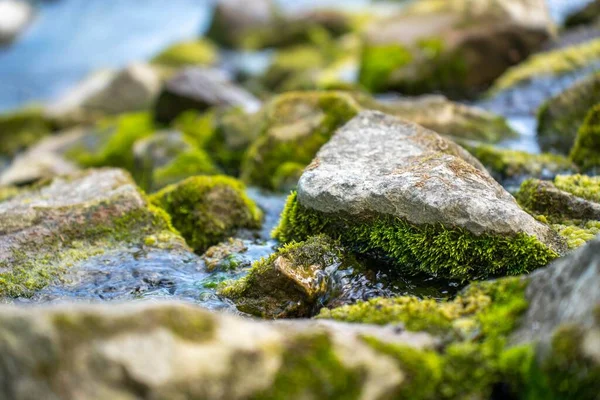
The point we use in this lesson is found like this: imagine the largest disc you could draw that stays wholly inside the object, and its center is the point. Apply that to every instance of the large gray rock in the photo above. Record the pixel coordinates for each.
(566, 292)
(14, 18)
(378, 164)
(196, 88)
(177, 351)
(47, 229)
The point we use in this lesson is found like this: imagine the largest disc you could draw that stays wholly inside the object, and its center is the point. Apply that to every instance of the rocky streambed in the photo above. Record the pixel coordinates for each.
(364, 218)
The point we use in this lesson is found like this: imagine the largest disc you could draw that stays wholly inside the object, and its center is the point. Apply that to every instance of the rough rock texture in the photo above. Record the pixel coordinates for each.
(455, 46)
(177, 351)
(561, 117)
(14, 18)
(200, 89)
(43, 160)
(107, 93)
(387, 185)
(567, 292)
(383, 165)
(46, 229)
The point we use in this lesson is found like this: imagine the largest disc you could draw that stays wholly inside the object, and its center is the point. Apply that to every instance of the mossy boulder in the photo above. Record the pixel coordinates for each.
(560, 118)
(571, 204)
(21, 129)
(586, 16)
(296, 281)
(295, 127)
(50, 228)
(169, 157)
(451, 47)
(196, 88)
(389, 187)
(208, 209)
(512, 166)
(182, 54)
(226, 256)
(586, 150)
(557, 62)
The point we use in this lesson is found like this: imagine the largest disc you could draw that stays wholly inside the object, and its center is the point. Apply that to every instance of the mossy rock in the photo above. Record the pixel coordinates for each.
(586, 151)
(21, 129)
(226, 256)
(297, 125)
(114, 140)
(512, 165)
(293, 282)
(51, 227)
(552, 63)
(586, 187)
(560, 118)
(208, 209)
(189, 53)
(586, 16)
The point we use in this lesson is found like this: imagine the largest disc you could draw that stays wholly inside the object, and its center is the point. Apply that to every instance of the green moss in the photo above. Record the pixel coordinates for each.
(577, 233)
(6, 192)
(586, 187)
(556, 62)
(507, 164)
(184, 165)
(297, 125)
(433, 249)
(289, 64)
(21, 129)
(287, 283)
(32, 267)
(117, 150)
(198, 127)
(561, 117)
(208, 209)
(586, 151)
(588, 15)
(195, 52)
(379, 62)
(310, 369)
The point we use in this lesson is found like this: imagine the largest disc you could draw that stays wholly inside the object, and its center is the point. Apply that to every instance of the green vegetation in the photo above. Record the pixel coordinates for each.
(208, 209)
(184, 165)
(586, 151)
(586, 187)
(21, 129)
(432, 249)
(379, 62)
(196, 52)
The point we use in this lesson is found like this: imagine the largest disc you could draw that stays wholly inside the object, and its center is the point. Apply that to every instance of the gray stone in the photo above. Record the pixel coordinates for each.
(196, 88)
(381, 165)
(178, 351)
(566, 292)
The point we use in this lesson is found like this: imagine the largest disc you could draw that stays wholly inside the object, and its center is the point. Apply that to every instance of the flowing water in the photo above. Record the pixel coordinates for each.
(71, 38)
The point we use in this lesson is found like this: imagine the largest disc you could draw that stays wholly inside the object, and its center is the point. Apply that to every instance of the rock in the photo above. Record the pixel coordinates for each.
(263, 23)
(22, 128)
(200, 89)
(513, 166)
(387, 186)
(199, 52)
(225, 256)
(560, 117)
(586, 150)
(457, 46)
(554, 63)
(14, 18)
(134, 88)
(208, 209)
(168, 157)
(49, 228)
(295, 126)
(44, 160)
(180, 351)
(455, 120)
(586, 16)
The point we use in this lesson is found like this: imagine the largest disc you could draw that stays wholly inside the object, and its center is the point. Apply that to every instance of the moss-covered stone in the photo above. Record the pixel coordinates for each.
(506, 164)
(21, 129)
(432, 249)
(297, 125)
(208, 209)
(115, 138)
(552, 63)
(195, 52)
(588, 15)
(577, 233)
(586, 187)
(225, 256)
(586, 151)
(293, 282)
(559, 118)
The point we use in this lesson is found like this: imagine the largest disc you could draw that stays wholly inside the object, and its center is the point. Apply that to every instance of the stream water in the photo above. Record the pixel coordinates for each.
(70, 38)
